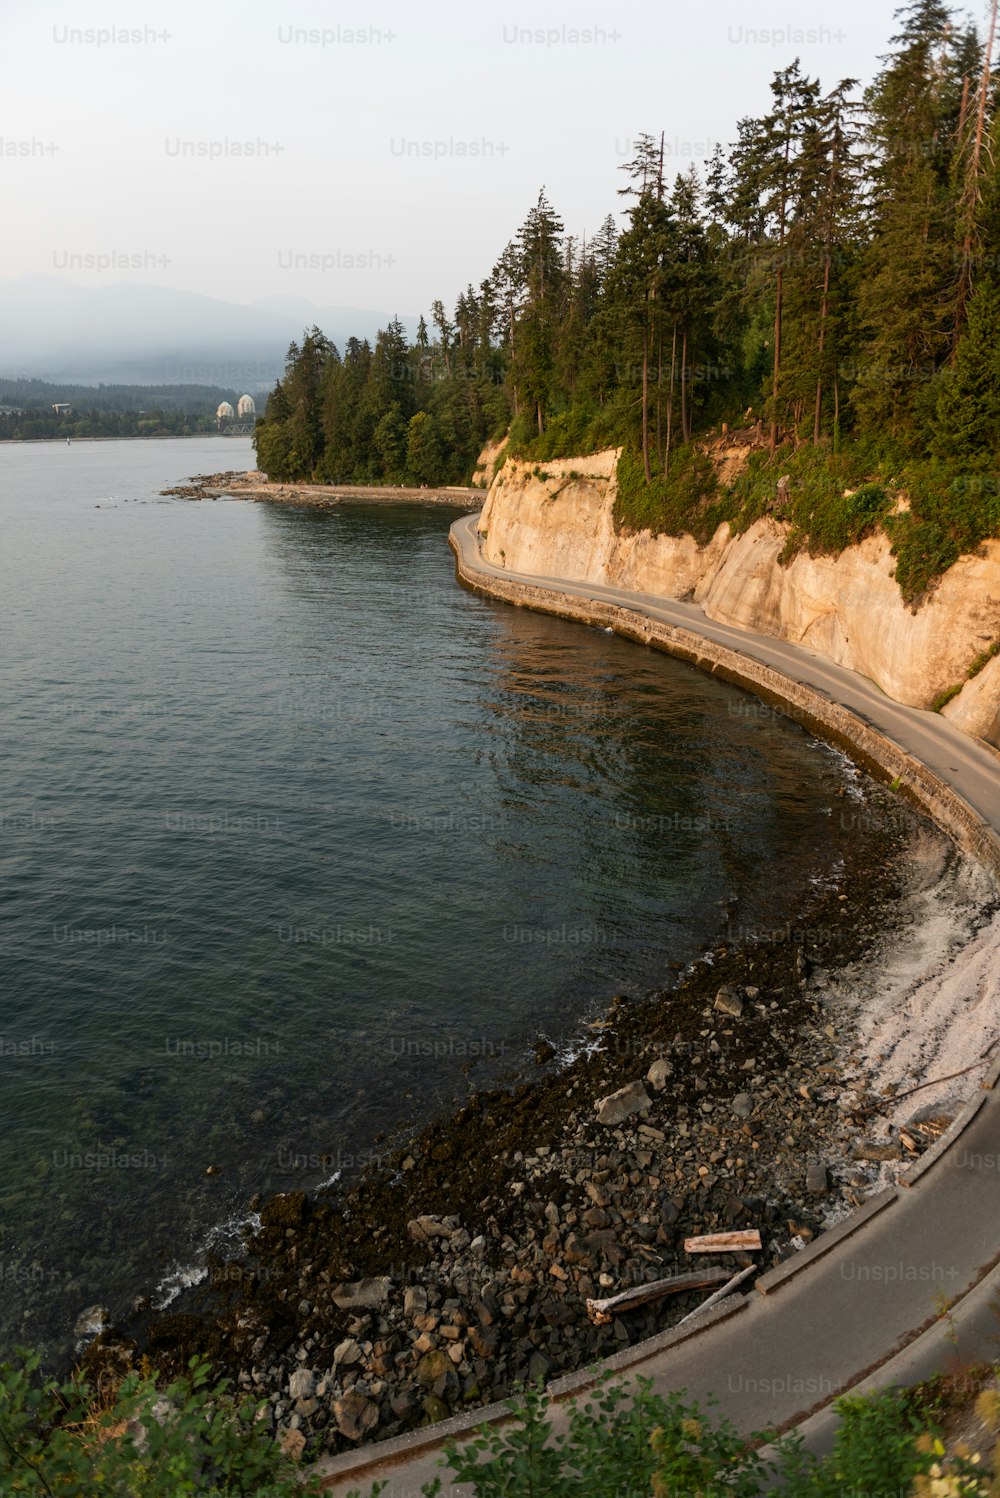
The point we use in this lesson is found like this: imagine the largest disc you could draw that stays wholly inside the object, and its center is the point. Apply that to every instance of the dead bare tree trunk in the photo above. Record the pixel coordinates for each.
(972, 197)
(777, 350)
(685, 413)
(659, 390)
(645, 399)
(670, 405)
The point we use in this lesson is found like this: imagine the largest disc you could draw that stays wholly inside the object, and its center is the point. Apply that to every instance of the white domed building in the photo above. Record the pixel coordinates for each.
(224, 413)
(245, 408)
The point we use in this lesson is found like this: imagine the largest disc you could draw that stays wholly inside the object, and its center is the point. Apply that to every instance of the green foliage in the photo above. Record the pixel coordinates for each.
(857, 227)
(273, 445)
(197, 1438)
(626, 1440)
(831, 500)
(968, 409)
(877, 1452)
(570, 434)
(951, 514)
(424, 459)
(619, 1441)
(192, 1438)
(943, 698)
(983, 659)
(687, 501)
(389, 444)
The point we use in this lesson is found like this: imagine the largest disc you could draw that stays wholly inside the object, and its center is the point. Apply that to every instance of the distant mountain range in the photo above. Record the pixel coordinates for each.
(53, 329)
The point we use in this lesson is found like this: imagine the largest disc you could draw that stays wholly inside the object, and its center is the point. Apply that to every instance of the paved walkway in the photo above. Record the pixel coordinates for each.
(849, 1304)
(971, 767)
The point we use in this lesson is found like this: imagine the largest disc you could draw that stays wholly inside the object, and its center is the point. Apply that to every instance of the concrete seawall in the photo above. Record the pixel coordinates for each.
(808, 706)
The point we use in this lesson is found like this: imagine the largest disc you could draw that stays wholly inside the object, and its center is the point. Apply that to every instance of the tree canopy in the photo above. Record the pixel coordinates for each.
(833, 276)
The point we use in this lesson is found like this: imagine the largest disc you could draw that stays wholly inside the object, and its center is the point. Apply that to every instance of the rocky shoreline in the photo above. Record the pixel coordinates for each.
(256, 486)
(458, 1265)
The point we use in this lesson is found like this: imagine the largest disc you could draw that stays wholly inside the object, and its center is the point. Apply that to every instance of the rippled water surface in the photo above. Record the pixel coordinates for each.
(296, 836)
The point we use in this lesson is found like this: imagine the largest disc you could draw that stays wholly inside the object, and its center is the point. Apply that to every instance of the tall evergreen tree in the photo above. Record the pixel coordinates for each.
(302, 384)
(637, 289)
(540, 248)
(904, 294)
(967, 424)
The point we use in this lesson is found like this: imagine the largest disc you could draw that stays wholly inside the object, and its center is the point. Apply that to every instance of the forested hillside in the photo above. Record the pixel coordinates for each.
(831, 282)
(27, 410)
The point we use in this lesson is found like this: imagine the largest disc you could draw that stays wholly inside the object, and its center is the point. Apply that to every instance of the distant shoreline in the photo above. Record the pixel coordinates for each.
(136, 437)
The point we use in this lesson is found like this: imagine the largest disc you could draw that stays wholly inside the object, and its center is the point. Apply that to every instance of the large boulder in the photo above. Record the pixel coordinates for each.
(627, 1101)
(362, 1295)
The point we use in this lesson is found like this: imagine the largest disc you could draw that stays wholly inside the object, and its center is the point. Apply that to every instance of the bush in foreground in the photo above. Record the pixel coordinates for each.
(193, 1438)
(632, 1443)
(196, 1438)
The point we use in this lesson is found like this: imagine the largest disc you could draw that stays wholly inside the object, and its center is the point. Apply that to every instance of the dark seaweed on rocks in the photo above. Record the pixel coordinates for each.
(459, 1266)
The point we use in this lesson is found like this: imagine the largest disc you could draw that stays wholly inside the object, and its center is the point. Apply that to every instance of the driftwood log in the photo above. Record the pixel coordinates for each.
(724, 1243)
(603, 1311)
(720, 1295)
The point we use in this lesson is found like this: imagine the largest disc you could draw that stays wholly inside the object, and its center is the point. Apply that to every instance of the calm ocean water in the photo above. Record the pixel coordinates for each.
(293, 829)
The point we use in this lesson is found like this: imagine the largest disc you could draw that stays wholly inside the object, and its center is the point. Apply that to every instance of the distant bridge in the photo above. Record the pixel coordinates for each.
(237, 429)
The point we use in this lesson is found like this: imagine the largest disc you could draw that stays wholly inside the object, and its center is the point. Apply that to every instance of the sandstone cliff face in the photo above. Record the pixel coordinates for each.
(559, 523)
(483, 474)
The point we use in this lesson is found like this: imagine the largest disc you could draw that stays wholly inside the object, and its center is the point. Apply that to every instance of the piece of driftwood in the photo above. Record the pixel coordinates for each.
(724, 1243)
(603, 1311)
(720, 1295)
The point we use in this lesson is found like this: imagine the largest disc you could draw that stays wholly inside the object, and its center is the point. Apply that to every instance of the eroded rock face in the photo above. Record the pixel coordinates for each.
(848, 608)
(976, 709)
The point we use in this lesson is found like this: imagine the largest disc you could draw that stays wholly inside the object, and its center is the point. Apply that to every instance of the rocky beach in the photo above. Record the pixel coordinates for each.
(751, 1094)
(254, 485)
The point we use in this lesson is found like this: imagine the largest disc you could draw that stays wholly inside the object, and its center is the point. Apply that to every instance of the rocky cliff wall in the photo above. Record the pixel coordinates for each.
(557, 520)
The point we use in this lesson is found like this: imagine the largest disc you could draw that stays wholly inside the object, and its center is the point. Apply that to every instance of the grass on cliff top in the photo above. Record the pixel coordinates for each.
(831, 501)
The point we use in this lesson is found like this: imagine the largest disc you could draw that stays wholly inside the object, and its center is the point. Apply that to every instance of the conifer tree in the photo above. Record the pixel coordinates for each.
(967, 425)
(637, 289)
(904, 292)
(539, 244)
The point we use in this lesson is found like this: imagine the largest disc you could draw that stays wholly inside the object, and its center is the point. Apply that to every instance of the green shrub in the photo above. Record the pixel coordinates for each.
(865, 510)
(568, 434)
(923, 551)
(197, 1438)
(192, 1438)
(983, 659)
(688, 500)
(636, 1442)
(943, 698)
(878, 1452)
(952, 512)
(618, 1441)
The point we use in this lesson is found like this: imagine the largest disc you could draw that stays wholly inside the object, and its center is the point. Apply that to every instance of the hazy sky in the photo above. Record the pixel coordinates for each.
(127, 147)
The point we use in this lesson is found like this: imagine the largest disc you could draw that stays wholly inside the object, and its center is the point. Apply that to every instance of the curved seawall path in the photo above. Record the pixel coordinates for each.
(862, 1306)
(954, 777)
